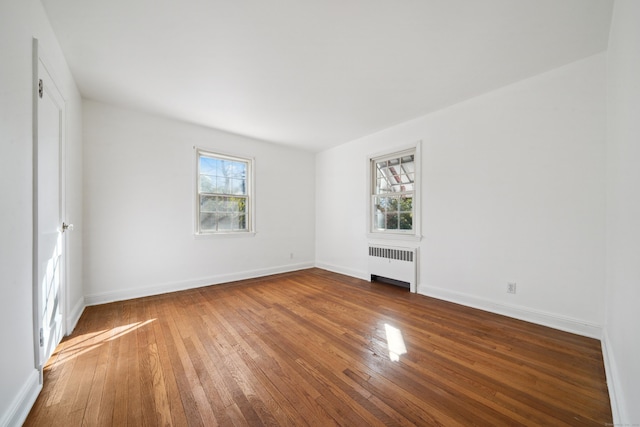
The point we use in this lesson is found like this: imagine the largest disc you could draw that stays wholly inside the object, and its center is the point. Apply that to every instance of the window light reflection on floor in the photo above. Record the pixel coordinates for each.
(76, 346)
(395, 342)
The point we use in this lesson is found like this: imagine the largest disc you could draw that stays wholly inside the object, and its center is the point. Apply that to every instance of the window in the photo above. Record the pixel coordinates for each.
(224, 198)
(393, 194)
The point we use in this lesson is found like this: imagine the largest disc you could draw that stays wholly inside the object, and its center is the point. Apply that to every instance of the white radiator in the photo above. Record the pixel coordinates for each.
(398, 264)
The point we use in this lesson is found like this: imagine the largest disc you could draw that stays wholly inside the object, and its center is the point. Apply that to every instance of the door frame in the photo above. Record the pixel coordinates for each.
(39, 60)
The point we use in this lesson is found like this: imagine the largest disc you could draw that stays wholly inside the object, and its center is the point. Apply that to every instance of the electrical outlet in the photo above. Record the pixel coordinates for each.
(291, 255)
(511, 287)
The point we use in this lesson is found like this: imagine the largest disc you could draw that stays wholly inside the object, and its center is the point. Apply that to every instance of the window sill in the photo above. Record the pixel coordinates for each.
(394, 236)
(231, 234)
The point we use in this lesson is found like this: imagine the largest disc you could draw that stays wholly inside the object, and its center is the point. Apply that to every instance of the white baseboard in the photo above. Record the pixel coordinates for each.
(613, 385)
(23, 402)
(552, 320)
(74, 315)
(363, 275)
(163, 288)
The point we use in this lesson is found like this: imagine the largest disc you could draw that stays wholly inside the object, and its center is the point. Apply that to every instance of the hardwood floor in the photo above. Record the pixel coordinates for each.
(311, 348)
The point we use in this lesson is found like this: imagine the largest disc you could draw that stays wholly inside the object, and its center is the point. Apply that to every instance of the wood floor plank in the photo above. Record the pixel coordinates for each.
(310, 348)
(200, 410)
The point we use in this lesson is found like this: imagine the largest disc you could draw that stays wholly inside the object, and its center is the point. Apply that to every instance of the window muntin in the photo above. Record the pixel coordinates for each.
(224, 194)
(392, 198)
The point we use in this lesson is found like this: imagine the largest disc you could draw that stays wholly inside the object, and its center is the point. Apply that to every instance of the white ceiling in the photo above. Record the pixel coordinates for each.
(315, 74)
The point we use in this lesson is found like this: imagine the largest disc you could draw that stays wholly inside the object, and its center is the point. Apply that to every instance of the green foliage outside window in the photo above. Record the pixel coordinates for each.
(394, 213)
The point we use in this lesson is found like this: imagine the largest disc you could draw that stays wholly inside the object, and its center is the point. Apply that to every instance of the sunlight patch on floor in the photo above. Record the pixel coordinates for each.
(82, 344)
(395, 342)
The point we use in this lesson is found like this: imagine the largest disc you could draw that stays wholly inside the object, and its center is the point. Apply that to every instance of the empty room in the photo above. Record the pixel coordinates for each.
(320, 213)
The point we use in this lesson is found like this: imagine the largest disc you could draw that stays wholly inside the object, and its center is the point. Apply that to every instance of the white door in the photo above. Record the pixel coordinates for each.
(48, 204)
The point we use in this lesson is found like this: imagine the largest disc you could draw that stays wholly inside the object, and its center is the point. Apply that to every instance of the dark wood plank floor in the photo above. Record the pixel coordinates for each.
(311, 348)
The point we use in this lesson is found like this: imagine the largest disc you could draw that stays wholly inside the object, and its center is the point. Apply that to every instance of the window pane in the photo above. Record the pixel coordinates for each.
(207, 183)
(391, 221)
(237, 204)
(225, 222)
(209, 165)
(237, 170)
(208, 203)
(221, 184)
(381, 203)
(406, 204)
(406, 221)
(208, 222)
(237, 186)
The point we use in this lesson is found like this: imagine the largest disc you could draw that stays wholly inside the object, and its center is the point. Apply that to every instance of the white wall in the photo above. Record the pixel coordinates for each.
(622, 331)
(139, 194)
(19, 22)
(512, 191)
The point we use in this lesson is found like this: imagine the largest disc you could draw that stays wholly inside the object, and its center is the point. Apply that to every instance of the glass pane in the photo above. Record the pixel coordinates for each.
(221, 185)
(233, 169)
(406, 204)
(239, 204)
(237, 186)
(391, 221)
(382, 164)
(381, 203)
(209, 166)
(406, 221)
(237, 170)
(225, 222)
(208, 203)
(392, 204)
(407, 187)
(378, 220)
(207, 183)
(208, 222)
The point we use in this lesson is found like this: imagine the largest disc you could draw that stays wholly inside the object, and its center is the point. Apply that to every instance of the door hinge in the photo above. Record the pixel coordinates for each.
(41, 337)
(40, 88)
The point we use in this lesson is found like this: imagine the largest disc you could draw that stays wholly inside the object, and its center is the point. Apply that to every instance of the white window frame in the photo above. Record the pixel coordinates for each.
(250, 196)
(415, 233)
